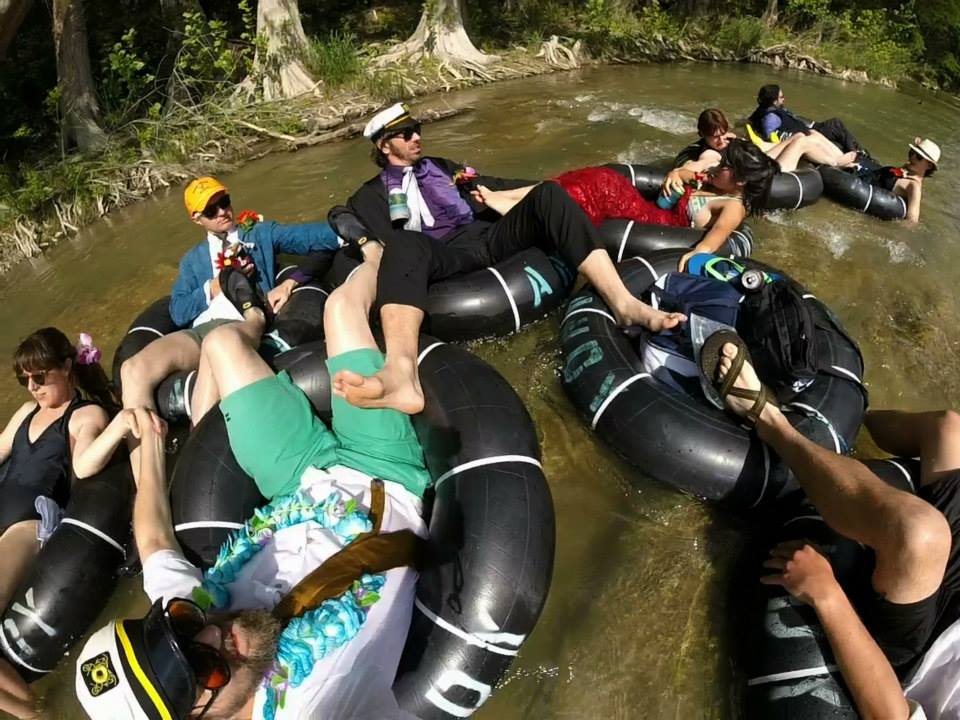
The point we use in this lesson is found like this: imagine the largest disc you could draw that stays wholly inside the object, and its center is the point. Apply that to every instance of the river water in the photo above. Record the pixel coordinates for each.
(638, 622)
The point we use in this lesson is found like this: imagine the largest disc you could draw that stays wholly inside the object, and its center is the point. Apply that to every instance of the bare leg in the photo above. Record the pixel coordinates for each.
(231, 354)
(934, 436)
(789, 153)
(206, 394)
(18, 548)
(503, 200)
(599, 269)
(346, 322)
(140, 375)
(910, 537)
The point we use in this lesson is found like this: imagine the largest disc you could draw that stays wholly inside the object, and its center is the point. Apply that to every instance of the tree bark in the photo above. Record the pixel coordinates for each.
(440, 34)
(79, 109)
(12, 14)
(771, 14)
(279, 61)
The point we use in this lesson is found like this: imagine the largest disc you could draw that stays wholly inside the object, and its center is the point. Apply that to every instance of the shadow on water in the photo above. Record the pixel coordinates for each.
(640, 621)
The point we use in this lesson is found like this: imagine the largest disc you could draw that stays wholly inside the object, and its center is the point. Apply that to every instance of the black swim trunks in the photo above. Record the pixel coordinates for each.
(905, 631)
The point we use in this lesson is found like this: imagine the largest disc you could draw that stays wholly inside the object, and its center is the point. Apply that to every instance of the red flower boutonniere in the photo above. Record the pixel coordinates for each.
(464, 175)
(898, 172)
(234, 256)
(248, 218)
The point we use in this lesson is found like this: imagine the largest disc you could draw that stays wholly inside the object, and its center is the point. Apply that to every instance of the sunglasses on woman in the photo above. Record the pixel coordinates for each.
(39, 378)
(407, 133)
(210, 668)
(213, 209)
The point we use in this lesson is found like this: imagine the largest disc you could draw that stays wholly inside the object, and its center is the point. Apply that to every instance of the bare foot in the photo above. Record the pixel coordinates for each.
(847, 159)
(747, 380)
(637, 312)
(392, 388)
(496, 199)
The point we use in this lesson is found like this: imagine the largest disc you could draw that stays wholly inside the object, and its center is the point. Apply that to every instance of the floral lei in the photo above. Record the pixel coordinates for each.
(464, 175)
(312, 636)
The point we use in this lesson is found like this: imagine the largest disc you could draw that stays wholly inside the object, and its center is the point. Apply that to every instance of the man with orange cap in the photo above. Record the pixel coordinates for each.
(247, 242)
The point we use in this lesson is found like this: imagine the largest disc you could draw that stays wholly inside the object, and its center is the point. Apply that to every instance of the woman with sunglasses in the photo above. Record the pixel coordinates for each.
(717, 201)
(55, 436)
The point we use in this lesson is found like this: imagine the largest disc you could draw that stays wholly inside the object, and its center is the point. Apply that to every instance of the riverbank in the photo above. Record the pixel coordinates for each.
(60, 197)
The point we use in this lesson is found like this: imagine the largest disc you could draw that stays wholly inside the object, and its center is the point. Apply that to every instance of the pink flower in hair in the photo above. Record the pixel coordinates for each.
(87, 352)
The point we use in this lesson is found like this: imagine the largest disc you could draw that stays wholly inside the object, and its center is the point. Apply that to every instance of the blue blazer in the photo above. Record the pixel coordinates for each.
(267, 238)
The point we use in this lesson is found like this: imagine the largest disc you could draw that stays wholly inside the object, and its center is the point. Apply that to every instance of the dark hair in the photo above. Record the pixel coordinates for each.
(914, 155)
(377, 155)
(768, 95)
(753, 168)
(710, 121)
(49, 349)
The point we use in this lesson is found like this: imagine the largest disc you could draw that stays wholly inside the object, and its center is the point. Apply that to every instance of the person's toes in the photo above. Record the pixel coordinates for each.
(729, 350)
(349, 377)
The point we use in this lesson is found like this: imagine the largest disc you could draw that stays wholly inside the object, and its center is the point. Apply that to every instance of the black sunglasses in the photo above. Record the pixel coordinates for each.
(213, 209)
(210, 668)
(407, 133)
(39, 378)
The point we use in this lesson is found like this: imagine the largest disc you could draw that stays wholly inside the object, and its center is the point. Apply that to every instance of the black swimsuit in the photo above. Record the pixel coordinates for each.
(41, 467)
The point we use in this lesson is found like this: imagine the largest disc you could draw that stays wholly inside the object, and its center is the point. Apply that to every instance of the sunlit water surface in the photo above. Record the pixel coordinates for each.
(638, 622)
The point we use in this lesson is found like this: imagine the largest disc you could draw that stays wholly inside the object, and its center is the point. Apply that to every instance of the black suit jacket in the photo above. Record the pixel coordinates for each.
(369, 203)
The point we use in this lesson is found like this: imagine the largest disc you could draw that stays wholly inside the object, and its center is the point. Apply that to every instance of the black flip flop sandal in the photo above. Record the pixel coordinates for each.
(710, 356)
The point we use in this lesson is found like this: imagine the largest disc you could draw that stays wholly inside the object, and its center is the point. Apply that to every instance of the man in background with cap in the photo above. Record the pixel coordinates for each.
(352, 491)
(923, 157)
(430, 215)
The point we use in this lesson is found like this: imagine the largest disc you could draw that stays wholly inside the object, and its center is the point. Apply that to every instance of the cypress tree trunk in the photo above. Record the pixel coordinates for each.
(12, 14)
(279, 67)
(440, 34)
(79, 109)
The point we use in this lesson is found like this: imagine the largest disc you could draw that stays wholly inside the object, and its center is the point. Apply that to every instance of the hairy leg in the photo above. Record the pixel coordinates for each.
(503, 201)
(910, 537)
(206, 394)
(346, 314)
(934, 436)
(599, 269)
(231, 354)
(140, 375)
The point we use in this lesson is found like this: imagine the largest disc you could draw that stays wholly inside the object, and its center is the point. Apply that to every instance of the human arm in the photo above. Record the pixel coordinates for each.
(676, 179)
(300, 239)
(10, 431)
(729, 218)
(914, 191)
(152, 523)
(807, 575)
(93, 441)
(191, 293)
(709, 158)
(16, 697)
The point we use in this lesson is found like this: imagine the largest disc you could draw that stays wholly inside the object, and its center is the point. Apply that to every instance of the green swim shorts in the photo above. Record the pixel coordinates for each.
(199, 332)
(275, 436)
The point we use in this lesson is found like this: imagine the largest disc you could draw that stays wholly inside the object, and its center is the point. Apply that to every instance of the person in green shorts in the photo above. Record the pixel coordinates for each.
(217, 645)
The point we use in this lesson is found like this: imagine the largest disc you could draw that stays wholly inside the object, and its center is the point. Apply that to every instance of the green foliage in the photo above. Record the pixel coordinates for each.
(805, 13)
(125, 83)
(208, 56)
(335, 59)
(740, 34)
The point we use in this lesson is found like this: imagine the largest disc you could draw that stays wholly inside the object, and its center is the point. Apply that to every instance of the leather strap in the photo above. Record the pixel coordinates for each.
(370, 553)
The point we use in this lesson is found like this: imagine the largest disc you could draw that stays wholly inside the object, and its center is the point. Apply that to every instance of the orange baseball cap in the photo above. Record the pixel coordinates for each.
(199, 192)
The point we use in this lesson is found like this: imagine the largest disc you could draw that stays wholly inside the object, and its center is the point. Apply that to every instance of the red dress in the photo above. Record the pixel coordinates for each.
(603, 194)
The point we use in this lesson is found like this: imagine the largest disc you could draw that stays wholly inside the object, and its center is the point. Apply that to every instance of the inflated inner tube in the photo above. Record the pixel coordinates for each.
(791, 671)
(491, 523)
(847, 189)
(625, 239)
(494, 301)
(299, 321)
(788, 191)
(73, 575)
(678, 438)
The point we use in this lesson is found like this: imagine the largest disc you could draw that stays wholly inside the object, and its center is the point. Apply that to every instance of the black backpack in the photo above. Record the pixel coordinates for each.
(780, 332)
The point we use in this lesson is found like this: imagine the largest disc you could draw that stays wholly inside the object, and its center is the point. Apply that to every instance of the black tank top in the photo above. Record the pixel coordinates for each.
(38, 468)
(885, 177)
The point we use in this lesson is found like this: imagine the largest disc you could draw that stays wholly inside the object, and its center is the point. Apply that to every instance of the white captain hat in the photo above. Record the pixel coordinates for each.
(394, 118)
